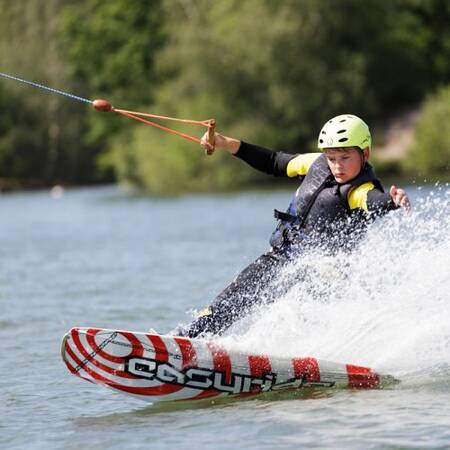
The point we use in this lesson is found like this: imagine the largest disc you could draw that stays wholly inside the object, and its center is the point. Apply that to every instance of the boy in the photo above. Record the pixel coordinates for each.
(339, 195)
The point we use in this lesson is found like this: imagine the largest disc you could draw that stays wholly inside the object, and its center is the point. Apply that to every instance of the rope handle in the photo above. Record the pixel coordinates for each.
(211, 136)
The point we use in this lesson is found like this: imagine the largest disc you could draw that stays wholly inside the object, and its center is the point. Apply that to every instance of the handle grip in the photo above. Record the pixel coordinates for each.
(211, 136)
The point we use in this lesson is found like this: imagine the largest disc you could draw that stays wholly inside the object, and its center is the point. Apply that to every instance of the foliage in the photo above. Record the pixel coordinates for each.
(270, 72)
(431, 152)
(19, 150)
(111, 48)
(273, 72)
(40, 133)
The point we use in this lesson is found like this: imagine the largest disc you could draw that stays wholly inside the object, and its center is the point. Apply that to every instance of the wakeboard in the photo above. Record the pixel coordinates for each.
(154, 367)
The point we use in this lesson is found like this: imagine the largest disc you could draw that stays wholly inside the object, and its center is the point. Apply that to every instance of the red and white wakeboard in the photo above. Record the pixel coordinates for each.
(156, 367)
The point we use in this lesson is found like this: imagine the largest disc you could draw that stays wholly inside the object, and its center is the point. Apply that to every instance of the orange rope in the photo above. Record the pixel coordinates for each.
(173, 119)
(156, 125)
(105, 106)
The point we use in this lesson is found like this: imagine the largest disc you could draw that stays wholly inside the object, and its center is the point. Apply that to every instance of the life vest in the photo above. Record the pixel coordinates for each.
(320, 209)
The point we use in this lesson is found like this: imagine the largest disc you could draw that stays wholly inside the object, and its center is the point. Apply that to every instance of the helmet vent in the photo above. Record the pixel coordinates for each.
(341, 131)
(343, 139)
(324, 132)
(321, 141)
(343, 120)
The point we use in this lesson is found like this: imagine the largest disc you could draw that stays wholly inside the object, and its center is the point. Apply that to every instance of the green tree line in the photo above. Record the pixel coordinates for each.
(269, 71)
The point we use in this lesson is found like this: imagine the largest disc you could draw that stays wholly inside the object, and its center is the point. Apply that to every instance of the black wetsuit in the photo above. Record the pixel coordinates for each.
(319, 215)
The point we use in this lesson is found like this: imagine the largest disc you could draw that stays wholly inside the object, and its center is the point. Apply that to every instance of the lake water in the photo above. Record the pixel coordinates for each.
(100, 257)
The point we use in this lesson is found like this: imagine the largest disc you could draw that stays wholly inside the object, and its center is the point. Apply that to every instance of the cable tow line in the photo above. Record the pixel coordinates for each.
(46, 88)
(104, 106)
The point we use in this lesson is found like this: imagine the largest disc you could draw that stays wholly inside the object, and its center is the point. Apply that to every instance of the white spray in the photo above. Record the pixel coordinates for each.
(387, 305)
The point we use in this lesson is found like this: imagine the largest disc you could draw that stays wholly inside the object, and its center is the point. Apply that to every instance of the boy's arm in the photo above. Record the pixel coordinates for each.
(276, 163)
(370, 199)
(265, 160)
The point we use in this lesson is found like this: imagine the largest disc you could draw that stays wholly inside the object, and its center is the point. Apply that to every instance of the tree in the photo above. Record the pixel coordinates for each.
(430, 154)
(273, 72)
(41, 138)
(111, 47)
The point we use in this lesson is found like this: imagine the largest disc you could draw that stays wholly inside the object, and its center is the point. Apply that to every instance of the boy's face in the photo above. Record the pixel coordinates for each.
(346, 163)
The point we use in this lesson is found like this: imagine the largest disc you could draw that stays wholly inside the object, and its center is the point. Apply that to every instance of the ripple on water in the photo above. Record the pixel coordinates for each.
(87, 260)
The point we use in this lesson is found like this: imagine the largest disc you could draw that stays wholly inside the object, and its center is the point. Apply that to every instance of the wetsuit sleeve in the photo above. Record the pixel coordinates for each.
(371, 199)
(275, 163)
(264, 160)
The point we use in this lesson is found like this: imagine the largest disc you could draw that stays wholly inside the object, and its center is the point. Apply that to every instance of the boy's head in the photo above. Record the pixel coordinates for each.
(346, 141)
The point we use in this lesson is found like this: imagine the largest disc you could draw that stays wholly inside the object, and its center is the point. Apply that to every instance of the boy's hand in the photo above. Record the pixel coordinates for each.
(400, 198)
(221, 142)
(206, 145)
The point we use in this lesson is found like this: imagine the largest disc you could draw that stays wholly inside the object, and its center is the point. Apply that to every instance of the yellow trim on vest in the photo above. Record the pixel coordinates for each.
(357, 198)
(300, 164)
(205, 312)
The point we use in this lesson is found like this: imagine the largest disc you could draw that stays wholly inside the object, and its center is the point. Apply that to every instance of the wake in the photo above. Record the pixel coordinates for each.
(385, 306)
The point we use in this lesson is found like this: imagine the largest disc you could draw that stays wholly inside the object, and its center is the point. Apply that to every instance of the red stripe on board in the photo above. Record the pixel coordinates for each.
(90, 337)
(188, 352)
(222, 363)
(161, 353)
(113, 371)
(75, 358)
(307, 368)
(72, 369)
(163, 389)
(221, 360)
(259, 366)
(69, 366)
(361, 377)
(137, 347)
(190, 360)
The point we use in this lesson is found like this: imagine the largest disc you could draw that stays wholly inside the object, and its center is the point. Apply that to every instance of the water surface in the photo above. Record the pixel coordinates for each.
(99, 257)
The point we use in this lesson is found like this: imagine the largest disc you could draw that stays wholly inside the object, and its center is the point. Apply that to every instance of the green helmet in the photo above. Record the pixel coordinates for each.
(345, 130)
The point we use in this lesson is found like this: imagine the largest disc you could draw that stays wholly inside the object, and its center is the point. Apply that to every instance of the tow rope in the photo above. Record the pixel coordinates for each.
(105, 106)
